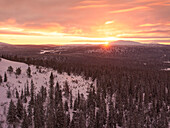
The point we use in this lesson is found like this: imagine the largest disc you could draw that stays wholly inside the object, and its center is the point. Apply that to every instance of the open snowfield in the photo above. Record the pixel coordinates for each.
(76, 83)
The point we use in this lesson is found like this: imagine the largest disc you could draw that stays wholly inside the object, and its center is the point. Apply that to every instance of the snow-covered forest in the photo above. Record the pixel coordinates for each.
(32, 96)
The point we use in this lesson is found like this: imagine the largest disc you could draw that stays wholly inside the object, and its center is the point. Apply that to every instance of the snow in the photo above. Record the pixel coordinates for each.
(167, 62)
(46, 51)
(167, 69)
(39, 79)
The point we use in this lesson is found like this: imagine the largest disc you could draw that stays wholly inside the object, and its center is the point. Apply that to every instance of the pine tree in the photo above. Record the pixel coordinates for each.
(82, 120)
(75, 104)
(18, 71)
(60, 116)
(17, 94)
(25, 91)
(29, 72)
(51, 79)
(10, 69)
(25, 99)
(39, 113)
(32, 93)
(28, 91)
(43, 93)
(30, 113)
(67, 120)
(66, 106)
(22, 94)
(66, 89)
(110, 121)
(57, 91)
(8, 93)
(0, 79)
(51, 93)
(25, 123)
(71, 100)
(50, 117)
(11, 117)
(19, 109)
(75, 121)
(51, 108)
(5, 77)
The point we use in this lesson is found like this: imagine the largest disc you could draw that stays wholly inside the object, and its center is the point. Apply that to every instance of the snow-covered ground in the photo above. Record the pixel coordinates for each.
(167, 69)
(76, 83)
(167, 62)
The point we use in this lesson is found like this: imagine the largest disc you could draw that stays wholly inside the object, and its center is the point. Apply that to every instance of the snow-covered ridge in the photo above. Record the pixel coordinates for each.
(40, 77)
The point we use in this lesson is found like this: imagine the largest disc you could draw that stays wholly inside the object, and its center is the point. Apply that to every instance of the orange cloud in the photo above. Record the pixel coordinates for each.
(149, 25)
(92, 2)
(91, 6)
(129, 9)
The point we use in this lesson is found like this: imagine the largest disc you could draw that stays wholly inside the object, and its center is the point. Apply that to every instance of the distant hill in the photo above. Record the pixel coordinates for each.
(123, 42)
(4, 44)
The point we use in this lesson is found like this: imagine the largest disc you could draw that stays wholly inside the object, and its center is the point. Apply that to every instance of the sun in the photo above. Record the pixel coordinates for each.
(106, 44)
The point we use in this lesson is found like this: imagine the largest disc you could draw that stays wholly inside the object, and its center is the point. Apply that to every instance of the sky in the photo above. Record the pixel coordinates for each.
(84, 21)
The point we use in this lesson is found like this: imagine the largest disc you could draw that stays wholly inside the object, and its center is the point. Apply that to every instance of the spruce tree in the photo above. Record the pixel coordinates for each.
(22, 94)
(19, 109)
(18, 71)
(32, 93)
(8, 93)
(60, 116)
(29, 72)
(39, 113)
(30, 114)
(51, 79)
(10, 69)
(17, 94)
(71, 100)
(5, 77)
(0, 79)
(25, 123)
(11, 117)
(51, 108)
(28, 91)
(66, 89)
(66, 106)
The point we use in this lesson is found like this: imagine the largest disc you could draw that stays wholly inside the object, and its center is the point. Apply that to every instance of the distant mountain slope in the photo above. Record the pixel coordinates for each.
(5, 44)
(123, 42)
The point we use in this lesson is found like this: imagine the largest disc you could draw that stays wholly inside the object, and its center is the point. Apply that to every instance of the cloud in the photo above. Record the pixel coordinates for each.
(18, 33)
(150, 25)
(92, 2)
(91, 6)
(156, 31)
(129, 9)
(142, 37)
(109, 22)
